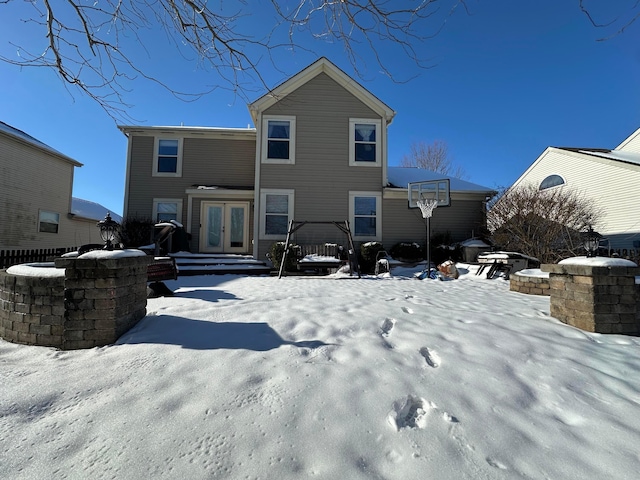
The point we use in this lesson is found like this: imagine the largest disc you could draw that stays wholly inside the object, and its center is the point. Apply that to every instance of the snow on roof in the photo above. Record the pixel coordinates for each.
(399, 177)
(25, 137)
(628, 157)
(91, 210)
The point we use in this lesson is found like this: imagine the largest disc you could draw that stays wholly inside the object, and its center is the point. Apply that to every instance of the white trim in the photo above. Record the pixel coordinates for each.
(219, 192)
(352, 142)
(127, 179)
(292, 139)
(378, 197)
(156, 143)
(263, 214)
(177, 201)
(256, 186)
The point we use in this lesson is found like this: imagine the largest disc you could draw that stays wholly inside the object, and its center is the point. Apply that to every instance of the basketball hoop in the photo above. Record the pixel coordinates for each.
(427, 207)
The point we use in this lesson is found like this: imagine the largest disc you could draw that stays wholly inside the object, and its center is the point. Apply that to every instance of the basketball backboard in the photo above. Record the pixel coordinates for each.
(428, 190)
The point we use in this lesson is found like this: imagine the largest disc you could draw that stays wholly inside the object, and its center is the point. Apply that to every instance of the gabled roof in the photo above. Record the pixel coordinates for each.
(322, 65)
(23, 137)
(91, 210)
(628, 152)
(399, 177)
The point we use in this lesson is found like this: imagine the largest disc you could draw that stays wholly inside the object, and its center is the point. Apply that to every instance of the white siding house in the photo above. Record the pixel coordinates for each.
(611, 178)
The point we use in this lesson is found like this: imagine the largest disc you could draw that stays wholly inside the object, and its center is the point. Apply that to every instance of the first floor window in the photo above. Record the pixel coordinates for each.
(48, 222)
(165, 210)
(365, 215)
(276, 212)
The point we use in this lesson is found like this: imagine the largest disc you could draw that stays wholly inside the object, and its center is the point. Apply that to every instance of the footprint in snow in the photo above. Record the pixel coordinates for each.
(410, 412)
(387, 326)
(407, 310)
(431, 357)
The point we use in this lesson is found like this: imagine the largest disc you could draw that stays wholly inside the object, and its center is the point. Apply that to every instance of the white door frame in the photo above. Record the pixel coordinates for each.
(226, 227)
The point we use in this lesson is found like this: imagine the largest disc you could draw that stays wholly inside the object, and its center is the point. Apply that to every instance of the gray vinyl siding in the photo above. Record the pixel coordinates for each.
(462, 220)
(32, 180)
(205, 161)
(321, 176)
(219, 162)
(613, 186)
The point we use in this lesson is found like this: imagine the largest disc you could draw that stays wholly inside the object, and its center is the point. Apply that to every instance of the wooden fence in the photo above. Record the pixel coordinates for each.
(15, 257)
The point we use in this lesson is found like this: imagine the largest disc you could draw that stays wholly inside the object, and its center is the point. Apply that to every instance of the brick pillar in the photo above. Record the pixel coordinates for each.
(105, 294)
(602, 299)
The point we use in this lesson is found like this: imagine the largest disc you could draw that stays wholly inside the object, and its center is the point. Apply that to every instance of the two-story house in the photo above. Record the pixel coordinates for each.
(318, 153)
(37, 210)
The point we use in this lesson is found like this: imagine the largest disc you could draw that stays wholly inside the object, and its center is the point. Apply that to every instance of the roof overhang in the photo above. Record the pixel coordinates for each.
(195, 132)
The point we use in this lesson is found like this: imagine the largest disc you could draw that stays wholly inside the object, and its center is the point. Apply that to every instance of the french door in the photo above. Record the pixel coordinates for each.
(224, 227)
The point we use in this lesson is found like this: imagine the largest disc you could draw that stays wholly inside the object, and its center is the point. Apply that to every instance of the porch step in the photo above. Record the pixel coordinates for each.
(218, 264)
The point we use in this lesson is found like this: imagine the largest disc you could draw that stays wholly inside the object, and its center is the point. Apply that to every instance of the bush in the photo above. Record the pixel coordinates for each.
(136, 232)
(409, 252)
(545, 224)
(442, 248)
(367, 256)
(277, 251)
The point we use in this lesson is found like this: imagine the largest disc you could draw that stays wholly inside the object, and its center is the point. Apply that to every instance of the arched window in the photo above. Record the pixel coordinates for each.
(551, 181)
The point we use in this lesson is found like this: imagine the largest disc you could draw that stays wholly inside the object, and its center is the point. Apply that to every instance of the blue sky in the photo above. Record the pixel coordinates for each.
(507, 81)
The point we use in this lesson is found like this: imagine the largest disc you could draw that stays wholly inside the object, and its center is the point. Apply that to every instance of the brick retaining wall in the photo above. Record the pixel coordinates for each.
(529, 284)
(99, 298)
(32, 309)
(602, 299)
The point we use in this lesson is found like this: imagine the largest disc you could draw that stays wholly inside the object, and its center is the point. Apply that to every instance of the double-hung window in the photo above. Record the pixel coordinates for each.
(364, 142)
(166, 209)
(48, 222)
(278, 139)
(276, 210)
(365, 215)
(167, 159)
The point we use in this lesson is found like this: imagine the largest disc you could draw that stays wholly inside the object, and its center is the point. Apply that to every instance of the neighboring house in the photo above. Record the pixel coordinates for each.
(611, 178)
(318, 153)
(36, 206)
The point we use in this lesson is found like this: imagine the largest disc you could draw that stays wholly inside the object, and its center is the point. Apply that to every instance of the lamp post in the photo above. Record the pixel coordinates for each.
(108, 231)
(591, 242)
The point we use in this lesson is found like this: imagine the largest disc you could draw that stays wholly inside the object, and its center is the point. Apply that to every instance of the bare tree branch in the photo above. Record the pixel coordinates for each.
(623, 20)
(92, 45)
(434, 157)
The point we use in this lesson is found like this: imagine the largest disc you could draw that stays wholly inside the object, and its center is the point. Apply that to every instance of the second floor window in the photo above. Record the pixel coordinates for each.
(364, 139)
(167, 160)
(279, 139)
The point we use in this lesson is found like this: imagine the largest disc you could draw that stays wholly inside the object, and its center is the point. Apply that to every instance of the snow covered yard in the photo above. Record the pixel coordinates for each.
(329, 378)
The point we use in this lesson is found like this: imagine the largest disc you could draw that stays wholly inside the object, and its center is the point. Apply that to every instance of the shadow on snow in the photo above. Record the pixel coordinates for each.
(204, 335)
